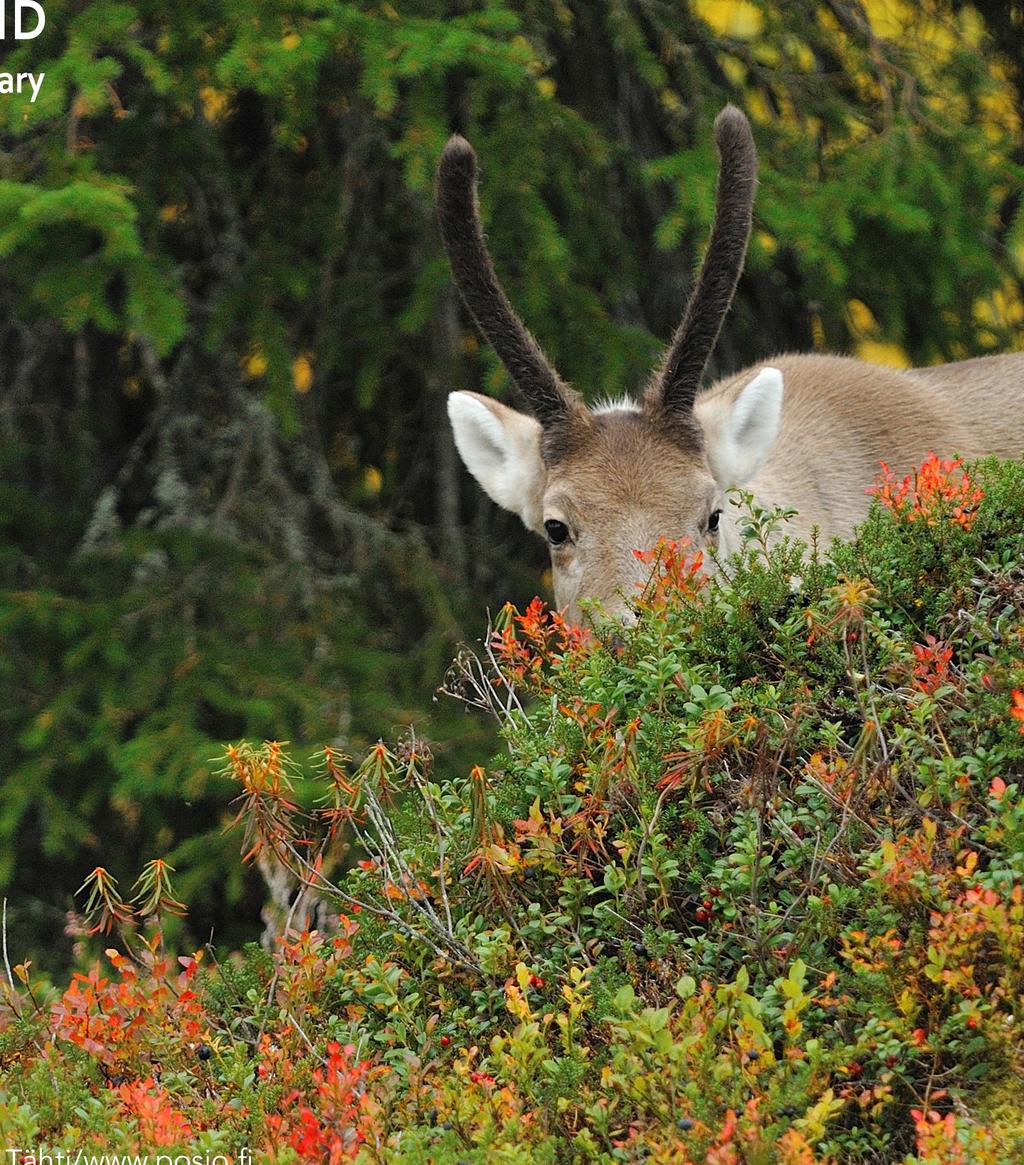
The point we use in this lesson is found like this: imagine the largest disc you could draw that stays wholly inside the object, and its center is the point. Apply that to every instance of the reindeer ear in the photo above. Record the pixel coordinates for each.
(741, 429)
(501, 449)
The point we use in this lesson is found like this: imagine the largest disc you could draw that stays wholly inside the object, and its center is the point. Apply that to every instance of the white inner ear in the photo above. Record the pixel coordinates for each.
(742, 438)
(501, 449)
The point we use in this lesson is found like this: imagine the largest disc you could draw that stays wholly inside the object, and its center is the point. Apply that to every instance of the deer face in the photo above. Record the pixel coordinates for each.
(625, 486)
(601, 484)
(605, 484)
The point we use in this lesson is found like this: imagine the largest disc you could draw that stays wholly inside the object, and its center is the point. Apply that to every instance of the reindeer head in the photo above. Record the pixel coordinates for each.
(600, 483)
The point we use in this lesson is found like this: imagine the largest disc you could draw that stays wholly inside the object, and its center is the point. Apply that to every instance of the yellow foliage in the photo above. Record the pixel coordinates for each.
(373, 480)
(889, 18)
(735, 70)
(766, 242)
(941, 36)
(214, 101)
(817, 332)
(868, 346)
(815, 1119)
(1003, 308)
(254, 363)
(670, 100)
(879, 352)
(302, 372)
(547, 86)
(758, 109)
(862, 321)
(803, 56)
(735, 18)
(291, 40)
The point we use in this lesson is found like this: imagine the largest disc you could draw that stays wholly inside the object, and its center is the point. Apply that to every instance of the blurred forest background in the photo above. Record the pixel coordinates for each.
(229, 501)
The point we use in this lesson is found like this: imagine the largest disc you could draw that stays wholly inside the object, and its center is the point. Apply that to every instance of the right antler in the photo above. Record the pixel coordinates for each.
(550, 399)
(675, 386)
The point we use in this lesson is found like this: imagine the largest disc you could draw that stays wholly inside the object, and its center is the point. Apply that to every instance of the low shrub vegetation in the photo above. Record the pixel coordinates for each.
(746, 886)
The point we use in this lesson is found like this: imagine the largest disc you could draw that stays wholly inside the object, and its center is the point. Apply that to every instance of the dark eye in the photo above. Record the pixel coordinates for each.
(716, 517)
(558, 532)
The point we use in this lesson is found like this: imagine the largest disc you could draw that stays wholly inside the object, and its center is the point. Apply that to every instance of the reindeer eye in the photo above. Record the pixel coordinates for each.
(558, 532)
(713, 521)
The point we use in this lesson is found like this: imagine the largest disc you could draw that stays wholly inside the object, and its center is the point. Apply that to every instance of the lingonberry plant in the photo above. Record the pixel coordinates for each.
(746, 886)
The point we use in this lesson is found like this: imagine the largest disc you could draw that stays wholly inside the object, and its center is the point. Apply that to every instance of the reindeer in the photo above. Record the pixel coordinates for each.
(805, 431)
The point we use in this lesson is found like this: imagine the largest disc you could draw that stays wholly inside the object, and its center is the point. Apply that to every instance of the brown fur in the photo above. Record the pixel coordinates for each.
(626, 482)
(987, 394)
(620, 479)
(620, 489)
(842, 417)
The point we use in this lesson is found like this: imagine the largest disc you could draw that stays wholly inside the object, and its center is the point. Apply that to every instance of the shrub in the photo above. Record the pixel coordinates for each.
(746, 885)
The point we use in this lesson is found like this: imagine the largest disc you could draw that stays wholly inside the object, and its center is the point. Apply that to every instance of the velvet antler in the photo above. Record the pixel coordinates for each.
(674, 387)
(548, 397)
